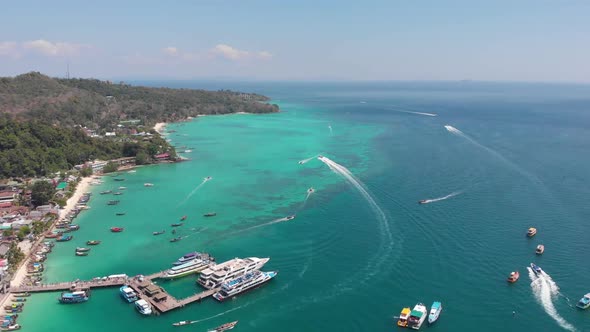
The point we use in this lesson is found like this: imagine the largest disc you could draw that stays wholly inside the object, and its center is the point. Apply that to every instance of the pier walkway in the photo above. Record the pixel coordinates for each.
(143, 286)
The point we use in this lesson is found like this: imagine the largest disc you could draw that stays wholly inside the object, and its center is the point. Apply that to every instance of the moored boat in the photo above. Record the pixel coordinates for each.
(143, 307)
(19, 299)
(513, 277)
(117, 229)
(182, 218)
(417, 316)
(106, 192)
(118, 193)
(193, 266)
(403, 317)
(584, 302)
(113, 202)
(82, 249)
(243, 283)
(64, 238)
(120, 213)
(81, 253)
(74, 297)
(225, 327)
(93, 242)
(14, 306)
(435, 311)
(531, 232)
(177, 224)
(13, 327)
(74, 227)
(187, 258)
(210, 214)
(540, 249)
(160, 232)
(176, 239)
(128, 294)
(215, 275)
(536, 269)
(22, 294)
(119, 179)
(148, 184)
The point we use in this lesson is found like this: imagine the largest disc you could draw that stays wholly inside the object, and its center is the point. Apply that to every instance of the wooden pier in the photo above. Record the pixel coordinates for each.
(144, 286)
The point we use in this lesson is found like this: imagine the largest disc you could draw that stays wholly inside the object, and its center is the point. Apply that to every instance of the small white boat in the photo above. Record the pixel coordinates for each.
(147, 184)
(584, 302)
(435, 311)
(143, 307)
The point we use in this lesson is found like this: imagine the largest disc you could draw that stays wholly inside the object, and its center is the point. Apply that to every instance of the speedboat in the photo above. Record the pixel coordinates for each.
(531, 232)
(540, 249)
(210, 214)
(183, 322)
(117, 229)
(122, 188)
(160, 232)
(290, 217)
(423, 201)
(584, 302)
(403, 317)
(417, 316)
(143, 307)
(176, 239)
(82, 249)
(118, 193)
(310, 190)
(177, 224)
(224, 327)
(81, 253)
(147, 184)
(93, 242)
(435, 311)
(208, 178)
(513, 277)
(536, 268)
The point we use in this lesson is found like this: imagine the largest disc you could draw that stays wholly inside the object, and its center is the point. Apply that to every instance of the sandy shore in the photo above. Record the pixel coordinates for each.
(159, 127)
(26, 246)
(82, 187)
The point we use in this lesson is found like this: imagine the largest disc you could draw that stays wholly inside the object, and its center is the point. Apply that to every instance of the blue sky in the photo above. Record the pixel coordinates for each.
(542, 40)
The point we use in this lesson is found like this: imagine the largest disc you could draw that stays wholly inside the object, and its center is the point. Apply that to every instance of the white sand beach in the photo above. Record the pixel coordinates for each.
(82, 187)
(159, 127)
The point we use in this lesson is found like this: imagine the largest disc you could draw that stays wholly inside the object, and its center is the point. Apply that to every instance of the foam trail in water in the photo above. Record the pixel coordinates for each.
(205, 180)
(219, 314)
(301, 162)
(418, 113)
(309, 192)
(331, 132)
(459, 133)
(432, 200)
(545, 290)
(387, 242)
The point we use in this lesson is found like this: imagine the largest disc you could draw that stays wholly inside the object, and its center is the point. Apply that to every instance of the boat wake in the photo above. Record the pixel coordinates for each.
(545, 291)
(386, 245)
(459, 133)
(330, 127)
(205, 180)
(432, 200)
(417, 113)
(309, 192)
(301, 162)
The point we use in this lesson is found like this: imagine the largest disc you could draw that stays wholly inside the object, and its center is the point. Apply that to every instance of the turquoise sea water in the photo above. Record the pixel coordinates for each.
(361, 248)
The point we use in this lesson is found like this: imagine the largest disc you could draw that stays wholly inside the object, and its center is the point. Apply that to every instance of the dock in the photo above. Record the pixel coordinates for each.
(144, 286)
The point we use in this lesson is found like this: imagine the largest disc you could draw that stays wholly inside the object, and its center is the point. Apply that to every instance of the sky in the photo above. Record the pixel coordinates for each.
(496, 40)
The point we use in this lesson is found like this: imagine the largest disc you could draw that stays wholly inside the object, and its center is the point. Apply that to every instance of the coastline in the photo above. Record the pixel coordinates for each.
(159, 127)
(71, 203)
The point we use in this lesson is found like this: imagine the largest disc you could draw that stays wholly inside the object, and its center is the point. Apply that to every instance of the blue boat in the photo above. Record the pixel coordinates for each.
(128, 294)
(536, 268)
(64, 238)
(74, 297)
(435, 311)
(584, 302)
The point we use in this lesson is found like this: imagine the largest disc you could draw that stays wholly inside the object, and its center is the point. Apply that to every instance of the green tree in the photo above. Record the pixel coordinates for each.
(14, 255)
(110, 167)
(23, 232)
(142, 158)
(42, 192)
(86, 171)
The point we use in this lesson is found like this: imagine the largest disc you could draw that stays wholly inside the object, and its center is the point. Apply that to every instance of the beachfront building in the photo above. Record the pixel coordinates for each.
(162, 156)
(8, 196)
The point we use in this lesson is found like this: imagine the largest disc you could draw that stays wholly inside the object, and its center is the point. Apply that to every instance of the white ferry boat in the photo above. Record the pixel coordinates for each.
(143, 307)
(243, 283)
(128, 294)
(417, 316)
(217, 274)
(194, 266)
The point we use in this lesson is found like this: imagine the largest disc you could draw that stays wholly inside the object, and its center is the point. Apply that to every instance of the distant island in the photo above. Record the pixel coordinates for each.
(51, 124)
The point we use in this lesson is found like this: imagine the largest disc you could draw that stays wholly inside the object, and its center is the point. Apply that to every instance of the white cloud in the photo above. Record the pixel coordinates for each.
(172, 51)
(229, 52)
(264, 55)
(9, 49)
(48, 48)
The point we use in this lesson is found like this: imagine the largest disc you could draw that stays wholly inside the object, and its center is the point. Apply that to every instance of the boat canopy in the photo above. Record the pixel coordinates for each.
(406, 311)
(435, 305)
(416, 313)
